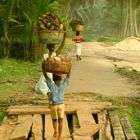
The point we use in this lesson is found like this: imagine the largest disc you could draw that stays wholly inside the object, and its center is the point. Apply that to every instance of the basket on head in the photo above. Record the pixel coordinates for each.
(50, 37)
(50, 29)
(79, 27)
(55, 66)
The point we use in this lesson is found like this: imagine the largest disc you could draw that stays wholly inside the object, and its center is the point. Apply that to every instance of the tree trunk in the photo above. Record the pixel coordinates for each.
(135, 22)
(133, 18)
(126, 25)
(6, 52)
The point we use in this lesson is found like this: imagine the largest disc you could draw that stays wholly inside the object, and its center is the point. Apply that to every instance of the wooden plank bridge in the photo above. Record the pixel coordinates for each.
(82, 121)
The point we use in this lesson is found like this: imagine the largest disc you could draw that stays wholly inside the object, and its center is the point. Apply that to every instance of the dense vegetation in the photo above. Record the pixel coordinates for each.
(115, 19)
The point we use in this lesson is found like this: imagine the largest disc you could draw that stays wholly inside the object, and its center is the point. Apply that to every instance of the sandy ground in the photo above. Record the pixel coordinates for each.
(95, 73)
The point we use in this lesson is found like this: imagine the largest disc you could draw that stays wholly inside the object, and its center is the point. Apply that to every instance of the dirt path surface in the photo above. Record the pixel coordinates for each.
(95, 72)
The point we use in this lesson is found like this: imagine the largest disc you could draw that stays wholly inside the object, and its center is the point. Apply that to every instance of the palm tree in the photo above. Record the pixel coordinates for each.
(79, 9)
(128, 16)
(6, 20)
(18, 21)
(116, 17)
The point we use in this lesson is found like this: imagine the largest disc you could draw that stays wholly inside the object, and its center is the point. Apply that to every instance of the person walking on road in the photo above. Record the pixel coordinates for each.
(78, 39)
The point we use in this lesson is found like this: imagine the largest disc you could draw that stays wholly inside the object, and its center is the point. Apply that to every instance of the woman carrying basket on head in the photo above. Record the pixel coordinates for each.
(41, 86)
(78, 39)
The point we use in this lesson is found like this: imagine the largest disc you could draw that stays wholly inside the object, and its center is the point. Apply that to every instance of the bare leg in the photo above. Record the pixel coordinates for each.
(49, 98)
(60, 127)
(77, 57)
(55, 127)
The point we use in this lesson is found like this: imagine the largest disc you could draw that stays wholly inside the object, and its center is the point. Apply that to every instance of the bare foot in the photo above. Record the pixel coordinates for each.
(55, 134)
(59, 138)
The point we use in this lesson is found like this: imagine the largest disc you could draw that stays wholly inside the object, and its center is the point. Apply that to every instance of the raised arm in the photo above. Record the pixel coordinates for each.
(44, 71)
(58, 51)
(68, 74)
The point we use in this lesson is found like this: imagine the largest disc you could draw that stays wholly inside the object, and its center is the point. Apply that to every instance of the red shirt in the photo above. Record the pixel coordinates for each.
(78, 39)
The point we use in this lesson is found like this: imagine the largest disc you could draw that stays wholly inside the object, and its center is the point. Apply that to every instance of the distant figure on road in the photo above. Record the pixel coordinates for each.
(78, 39)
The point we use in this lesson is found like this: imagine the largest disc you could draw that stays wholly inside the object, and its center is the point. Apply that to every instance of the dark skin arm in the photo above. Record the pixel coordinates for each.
(68, 74)
(58, 51)
(44, 71)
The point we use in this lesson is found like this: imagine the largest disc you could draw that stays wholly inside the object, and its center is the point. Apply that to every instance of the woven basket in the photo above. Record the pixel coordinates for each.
(57, 66)
(77, 27)
(50, 37)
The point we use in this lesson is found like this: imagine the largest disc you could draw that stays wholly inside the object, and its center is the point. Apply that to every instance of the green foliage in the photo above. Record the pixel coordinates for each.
(107, 39)
(17, 75)
(133, 74)
(2, 114)
(133, 111)
(18, 21)
(134, 117)
(67, 47)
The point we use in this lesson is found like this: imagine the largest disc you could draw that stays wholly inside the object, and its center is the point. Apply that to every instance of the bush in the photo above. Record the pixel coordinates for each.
(2, 115)
(1, 51)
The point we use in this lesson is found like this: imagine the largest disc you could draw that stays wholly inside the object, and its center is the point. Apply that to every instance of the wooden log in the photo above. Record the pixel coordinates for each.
(28, 110)
(87, 130)
(116, 126)
(102, 121)
(6, 128)
(75, 123)
(37, 127)
(77, 105)
(105, 131)
(88, 126)
(48, 127)
(82, 138)
(85, 118)
(70, 109)
(129, 133)
(65, 131)
(23, 127)
(27, 106)
(89, 103)
(109, 108)
(108, 131)
(15, 110)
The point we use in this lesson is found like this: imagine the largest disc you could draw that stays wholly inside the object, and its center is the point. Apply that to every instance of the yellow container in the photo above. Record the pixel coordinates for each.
(79, 27)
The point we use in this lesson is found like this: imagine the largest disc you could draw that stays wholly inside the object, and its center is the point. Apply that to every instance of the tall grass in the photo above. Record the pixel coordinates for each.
(15, 75)
(2, 114)
(20, 76)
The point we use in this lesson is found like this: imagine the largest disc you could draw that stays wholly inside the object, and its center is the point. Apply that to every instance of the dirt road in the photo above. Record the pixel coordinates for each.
(95, 73)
